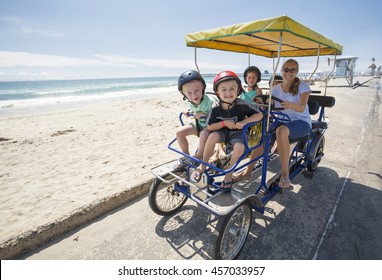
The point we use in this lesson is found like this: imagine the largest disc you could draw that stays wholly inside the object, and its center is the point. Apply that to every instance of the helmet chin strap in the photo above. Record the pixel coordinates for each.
(230, 104)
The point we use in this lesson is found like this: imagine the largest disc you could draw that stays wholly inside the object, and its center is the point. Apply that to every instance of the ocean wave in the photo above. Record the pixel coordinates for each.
(44, 102)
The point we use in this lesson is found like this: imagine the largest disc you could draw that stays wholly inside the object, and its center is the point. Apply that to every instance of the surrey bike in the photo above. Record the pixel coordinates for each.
(171, 188)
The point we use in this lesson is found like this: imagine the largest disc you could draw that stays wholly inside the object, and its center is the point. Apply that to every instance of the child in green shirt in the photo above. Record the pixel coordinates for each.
(192, 85)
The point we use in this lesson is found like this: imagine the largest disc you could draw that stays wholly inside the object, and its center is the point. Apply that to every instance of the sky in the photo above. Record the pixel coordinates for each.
(76, 39)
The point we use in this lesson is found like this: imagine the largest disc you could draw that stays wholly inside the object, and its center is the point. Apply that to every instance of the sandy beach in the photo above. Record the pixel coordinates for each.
(56, 165)
(63, 169)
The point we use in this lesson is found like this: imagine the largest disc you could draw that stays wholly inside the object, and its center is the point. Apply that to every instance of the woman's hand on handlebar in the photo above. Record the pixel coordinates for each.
(286, 104)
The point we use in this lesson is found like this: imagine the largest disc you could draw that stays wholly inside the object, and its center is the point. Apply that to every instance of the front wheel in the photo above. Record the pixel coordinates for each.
(232, 232)
(320, 152)
(163, 199)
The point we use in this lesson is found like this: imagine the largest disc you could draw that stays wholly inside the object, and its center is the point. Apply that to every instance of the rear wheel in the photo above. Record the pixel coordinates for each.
(232, 232)
(320, 152)
(163, 199)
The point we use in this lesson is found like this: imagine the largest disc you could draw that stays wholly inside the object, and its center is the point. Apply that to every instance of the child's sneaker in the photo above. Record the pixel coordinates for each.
(183, 163)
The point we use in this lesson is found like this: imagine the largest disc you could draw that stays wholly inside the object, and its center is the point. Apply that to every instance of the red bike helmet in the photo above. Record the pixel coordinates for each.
(225, 76)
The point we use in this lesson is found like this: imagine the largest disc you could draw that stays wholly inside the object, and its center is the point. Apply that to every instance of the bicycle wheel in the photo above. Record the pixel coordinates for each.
(320, 151)
(163, 199)
(232, 232)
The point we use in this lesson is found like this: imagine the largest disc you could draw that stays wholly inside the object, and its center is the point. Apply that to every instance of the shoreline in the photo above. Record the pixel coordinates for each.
(11, 111)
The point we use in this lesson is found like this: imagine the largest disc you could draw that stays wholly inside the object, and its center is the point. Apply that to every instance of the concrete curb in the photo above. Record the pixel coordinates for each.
(29, 240)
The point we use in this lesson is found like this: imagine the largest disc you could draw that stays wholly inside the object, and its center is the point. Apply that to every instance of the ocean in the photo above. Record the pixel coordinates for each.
(31, 97)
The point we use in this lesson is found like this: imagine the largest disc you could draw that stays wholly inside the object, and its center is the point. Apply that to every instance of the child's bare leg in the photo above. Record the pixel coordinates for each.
(246, 175)
(202, 142)
(181, 137)
(238, 150)
(212, 139)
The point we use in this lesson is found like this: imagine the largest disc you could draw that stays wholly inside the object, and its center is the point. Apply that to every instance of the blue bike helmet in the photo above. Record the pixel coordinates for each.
(189, 76)
(252, 69)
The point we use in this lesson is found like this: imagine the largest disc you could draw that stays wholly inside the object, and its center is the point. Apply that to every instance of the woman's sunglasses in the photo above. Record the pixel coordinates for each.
(292, 70)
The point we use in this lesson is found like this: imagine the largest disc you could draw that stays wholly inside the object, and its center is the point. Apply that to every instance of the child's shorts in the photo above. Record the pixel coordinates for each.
(193, 124)
(234, 136)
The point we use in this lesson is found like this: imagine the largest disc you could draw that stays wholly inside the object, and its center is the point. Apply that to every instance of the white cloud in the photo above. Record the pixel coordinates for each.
(24, 59)
(12, 20)
(18, 27)
(27, 30)
(155, 62)
(150, 62)
(31, 66)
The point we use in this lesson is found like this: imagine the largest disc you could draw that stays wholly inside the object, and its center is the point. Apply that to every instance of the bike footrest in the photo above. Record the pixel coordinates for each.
(164, 169)
(273, 171)
(221, 203)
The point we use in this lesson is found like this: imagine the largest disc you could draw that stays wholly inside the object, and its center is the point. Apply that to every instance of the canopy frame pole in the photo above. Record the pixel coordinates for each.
(318, 60)
(273, 77)
(331, 72)
(273, 62)
(196, 59)
(249, 56)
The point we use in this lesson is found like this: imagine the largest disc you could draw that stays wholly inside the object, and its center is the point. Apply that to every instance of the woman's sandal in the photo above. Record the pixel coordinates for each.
(226, 186)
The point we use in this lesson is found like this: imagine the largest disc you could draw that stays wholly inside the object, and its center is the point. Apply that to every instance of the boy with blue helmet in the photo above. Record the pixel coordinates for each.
(192, 86)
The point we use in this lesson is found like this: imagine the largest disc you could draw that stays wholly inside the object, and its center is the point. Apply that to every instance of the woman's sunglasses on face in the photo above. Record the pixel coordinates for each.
(292, 70)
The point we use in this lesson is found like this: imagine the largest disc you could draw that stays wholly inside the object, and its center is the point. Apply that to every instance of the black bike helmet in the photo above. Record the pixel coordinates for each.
(189, 76)
(252, 69)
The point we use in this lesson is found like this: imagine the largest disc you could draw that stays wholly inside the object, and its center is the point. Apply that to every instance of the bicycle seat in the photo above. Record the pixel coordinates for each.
(318, 124)
(306, 137)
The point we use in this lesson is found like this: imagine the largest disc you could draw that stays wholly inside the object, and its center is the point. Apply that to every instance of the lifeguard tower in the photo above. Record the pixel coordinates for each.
(344, 67)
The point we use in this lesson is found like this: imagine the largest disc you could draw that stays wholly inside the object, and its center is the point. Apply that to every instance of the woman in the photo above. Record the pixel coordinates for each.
(295, 94)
